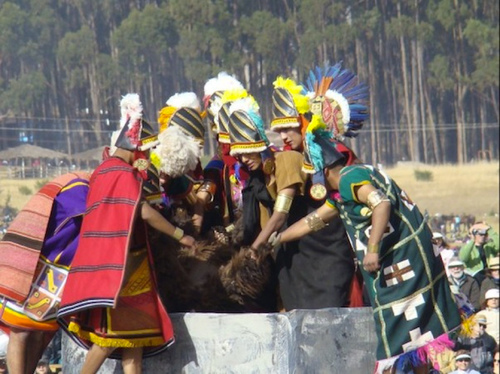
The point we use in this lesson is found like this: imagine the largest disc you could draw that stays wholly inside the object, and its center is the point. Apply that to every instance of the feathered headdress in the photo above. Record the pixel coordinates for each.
(135, 133)
(336, 95)
(290, 103)
(183, 110)
(246, 128)
(320, 151)
(213, 91)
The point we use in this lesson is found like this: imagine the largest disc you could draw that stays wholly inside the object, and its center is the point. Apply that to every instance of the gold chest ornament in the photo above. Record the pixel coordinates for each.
(141, 164)
(317, 191)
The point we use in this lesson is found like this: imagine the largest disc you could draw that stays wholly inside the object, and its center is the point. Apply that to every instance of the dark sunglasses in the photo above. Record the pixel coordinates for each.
(481, 325)
(3, 362)
(463, 359)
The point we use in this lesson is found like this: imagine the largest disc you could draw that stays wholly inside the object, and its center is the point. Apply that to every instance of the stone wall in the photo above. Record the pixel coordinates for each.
(336, 340)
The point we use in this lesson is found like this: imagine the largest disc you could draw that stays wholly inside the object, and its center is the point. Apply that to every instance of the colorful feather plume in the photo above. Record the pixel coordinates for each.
(347, 107)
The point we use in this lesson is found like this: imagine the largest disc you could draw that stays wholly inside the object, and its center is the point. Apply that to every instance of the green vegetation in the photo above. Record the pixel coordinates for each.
(423, 175)
(432, 66)
(23, 190)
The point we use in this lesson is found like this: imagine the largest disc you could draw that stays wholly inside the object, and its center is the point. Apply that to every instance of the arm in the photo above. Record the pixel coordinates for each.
(198, 209)
(302, 227)
(465, 252)
(278, 218)
(154, 219)
(380, 218)
(475, 294)
(204, 196)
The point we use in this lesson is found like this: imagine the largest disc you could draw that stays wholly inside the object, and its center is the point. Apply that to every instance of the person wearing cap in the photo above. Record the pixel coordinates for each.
(480, 345)
(484, 244)
(183, 111)
(305, 272)
(406, 283)
(463, 282)
(275, 183)
(36, 253)
(462, 362)
(444, 249)
(224, 178)
(111, 304)
(490, 308)
(492, 279)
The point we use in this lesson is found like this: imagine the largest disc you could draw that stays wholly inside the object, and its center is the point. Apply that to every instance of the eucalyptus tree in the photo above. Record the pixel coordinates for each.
(144, 46)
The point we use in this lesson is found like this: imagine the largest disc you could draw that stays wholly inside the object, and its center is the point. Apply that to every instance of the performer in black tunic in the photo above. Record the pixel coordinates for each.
(316, 271)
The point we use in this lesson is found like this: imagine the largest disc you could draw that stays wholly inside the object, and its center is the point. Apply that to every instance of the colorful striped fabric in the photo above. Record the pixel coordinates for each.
(20, 247)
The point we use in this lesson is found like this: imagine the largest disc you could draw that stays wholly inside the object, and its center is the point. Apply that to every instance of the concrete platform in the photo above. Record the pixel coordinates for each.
(333, 341)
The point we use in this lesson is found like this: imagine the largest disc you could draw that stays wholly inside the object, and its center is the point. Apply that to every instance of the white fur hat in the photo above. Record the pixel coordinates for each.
(179, 153)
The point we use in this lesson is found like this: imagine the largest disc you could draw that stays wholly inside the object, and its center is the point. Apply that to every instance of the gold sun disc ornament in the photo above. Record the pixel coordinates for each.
(318, 191)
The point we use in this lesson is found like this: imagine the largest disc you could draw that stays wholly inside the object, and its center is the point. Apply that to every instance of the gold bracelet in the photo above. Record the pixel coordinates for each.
(314, 221)
(178, 234)
(375, 198)
(283, 203)
(373, 248)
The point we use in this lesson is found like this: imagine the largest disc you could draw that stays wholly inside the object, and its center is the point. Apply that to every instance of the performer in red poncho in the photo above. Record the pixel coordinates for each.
(111, 304)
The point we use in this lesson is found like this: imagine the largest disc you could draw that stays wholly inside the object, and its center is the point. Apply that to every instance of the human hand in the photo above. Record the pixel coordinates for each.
(188, 241)
(221, 235)
(370, 262)
(274, 239)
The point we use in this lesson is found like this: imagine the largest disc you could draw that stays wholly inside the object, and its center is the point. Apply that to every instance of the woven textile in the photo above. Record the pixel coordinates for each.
(411, 300)
(20, 247)
(105, 261)
(38, 311)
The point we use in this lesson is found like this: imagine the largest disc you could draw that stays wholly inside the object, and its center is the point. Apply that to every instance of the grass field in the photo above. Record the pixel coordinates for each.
(468, 189)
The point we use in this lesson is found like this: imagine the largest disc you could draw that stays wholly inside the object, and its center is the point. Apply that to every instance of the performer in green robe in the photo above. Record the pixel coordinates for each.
(406, 281)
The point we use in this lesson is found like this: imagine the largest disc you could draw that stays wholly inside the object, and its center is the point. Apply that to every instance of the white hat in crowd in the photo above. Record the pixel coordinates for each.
(437, 235)
(494, 293)
(494, 263)
(455, 261)
(462, 356)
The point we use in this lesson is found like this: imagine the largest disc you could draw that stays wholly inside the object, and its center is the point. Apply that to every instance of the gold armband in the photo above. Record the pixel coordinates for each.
(178, 234)
(372, 248)
(375, 198)
(314, 221)
(209, 187)
(283, 203)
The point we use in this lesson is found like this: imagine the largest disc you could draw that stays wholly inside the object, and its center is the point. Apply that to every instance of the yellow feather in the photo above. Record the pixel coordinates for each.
(164, 116)
(316, 124)
(301, 101)
(155, 160)
(467, 325)
(232, 95)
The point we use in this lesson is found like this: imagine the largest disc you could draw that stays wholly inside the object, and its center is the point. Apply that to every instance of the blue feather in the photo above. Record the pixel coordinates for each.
(259, 124)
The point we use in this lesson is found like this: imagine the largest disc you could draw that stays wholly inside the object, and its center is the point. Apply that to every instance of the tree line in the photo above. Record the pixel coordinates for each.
(432, 65)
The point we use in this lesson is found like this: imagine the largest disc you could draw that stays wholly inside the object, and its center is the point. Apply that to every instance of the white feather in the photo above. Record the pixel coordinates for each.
(179, 153)
(222, 82)
(184, 100)
(246, 104)
(343, 103)
(131, 107)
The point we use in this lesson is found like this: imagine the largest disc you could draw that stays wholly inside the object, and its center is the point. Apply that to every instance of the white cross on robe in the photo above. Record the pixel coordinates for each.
(417, 339)
(408, 307)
